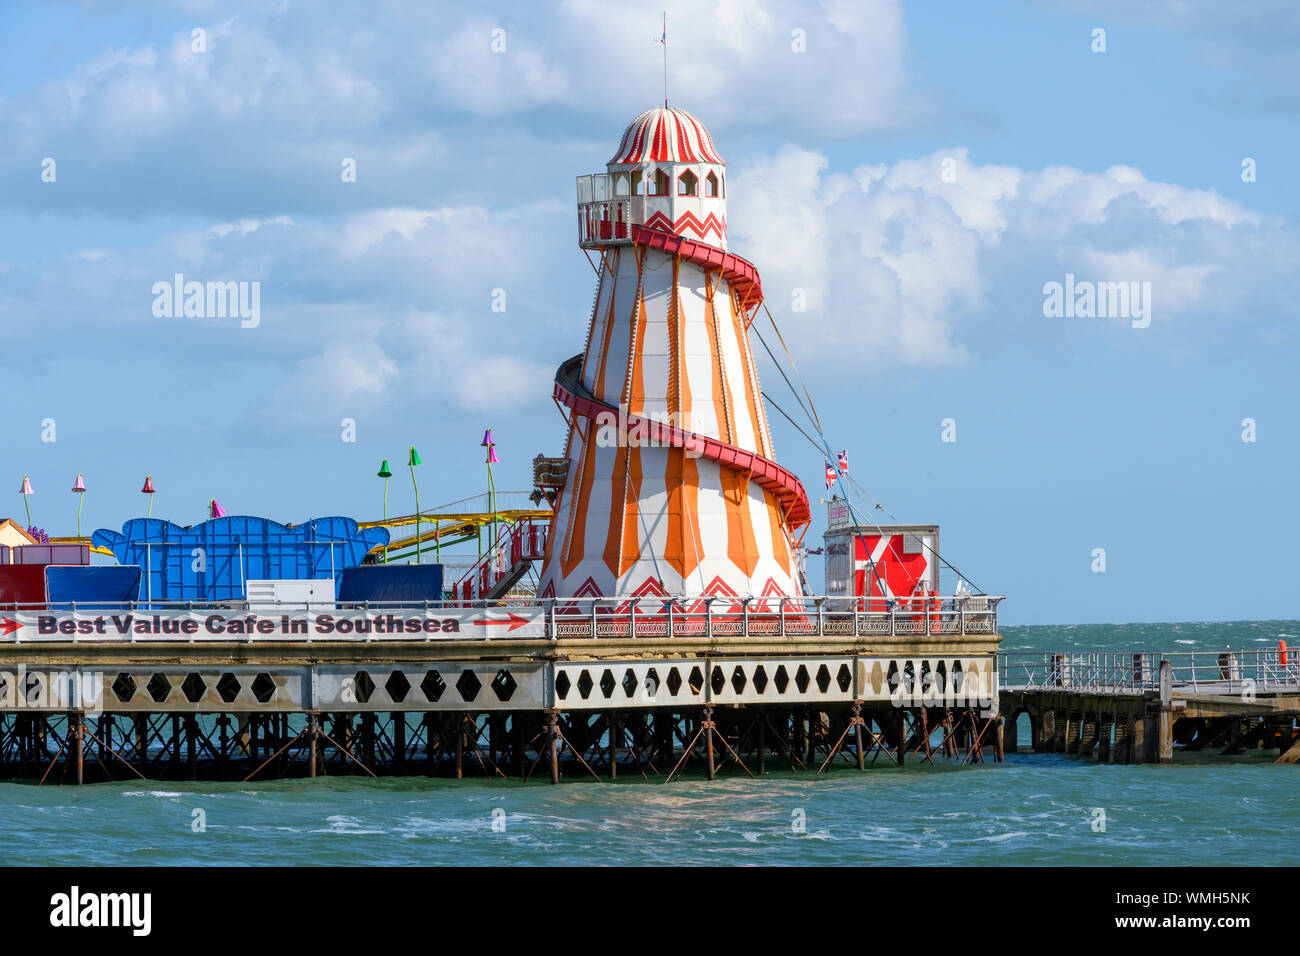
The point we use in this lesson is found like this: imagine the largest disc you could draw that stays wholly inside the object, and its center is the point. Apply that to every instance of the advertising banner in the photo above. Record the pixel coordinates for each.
(233, 624)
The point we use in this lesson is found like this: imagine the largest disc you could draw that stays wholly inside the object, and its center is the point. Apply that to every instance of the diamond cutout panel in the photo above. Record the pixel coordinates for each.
(362, 686)
(124, 687)
(738, 679)
(397, 686)
(228, 688)
(433, 686)
(263, 687)
(193, 687)
(159, 688)
(823, 678)
(468, 686)
(504, 685)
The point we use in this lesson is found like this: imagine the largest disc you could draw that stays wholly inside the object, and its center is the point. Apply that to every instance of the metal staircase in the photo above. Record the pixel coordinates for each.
(502, 566)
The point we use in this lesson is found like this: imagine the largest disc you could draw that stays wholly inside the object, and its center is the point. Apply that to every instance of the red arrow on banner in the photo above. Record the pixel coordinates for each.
(7, 626)
(514, 620)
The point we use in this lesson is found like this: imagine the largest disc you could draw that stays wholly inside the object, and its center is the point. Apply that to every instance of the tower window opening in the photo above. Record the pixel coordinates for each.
(688, 184)
(636, 182)
(711, 184)
(658, 185)
(620, 185)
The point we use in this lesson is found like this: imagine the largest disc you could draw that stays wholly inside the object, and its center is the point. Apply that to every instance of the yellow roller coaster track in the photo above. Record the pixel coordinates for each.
(452, 525)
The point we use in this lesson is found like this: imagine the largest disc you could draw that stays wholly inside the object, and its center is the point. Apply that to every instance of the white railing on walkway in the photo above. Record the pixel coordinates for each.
(567, 618)
(1209, 671)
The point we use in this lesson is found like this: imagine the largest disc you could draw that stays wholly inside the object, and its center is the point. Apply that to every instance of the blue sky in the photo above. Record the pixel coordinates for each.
(925, 294)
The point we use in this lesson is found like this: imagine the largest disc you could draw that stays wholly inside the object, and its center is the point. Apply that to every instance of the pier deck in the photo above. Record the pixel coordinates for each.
(237, 691)
(1133, 708)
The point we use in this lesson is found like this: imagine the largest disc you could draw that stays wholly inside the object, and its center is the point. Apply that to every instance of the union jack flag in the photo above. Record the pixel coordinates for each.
(844, 463)
(830, 475)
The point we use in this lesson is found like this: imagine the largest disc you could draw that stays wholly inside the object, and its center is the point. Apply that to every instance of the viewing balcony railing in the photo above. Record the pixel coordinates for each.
(608, 221)
(604, 217)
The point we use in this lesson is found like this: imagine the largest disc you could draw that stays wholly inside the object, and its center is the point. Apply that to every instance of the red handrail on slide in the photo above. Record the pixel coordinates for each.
(784, 486)
(739, 273)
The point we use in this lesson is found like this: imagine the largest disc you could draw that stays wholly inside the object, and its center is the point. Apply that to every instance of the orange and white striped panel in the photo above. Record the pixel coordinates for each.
(668, 343)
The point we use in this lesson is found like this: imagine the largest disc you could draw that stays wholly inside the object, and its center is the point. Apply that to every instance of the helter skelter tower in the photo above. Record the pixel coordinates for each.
(668, 347)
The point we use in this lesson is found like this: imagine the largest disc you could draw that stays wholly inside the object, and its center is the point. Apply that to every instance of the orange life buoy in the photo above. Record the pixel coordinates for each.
(1281, 652)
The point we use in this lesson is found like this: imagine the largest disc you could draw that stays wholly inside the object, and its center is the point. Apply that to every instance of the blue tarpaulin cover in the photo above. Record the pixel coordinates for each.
(100, 588)
(211, 561)
(413, 583)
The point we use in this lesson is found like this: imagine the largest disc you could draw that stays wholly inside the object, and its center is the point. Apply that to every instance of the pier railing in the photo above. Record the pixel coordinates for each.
(1113, 672)
(554, 619)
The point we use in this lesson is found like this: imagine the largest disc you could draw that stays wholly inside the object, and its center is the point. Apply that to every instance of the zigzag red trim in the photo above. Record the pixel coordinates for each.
(717, 588)
(650, 587)
(688, 220)
(588, 589)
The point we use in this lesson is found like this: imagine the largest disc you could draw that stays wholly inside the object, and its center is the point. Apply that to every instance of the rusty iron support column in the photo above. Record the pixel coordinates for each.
(22, 728)
(762, 738)
(708, 743)
(77, 727)
(612, 720)
(517, 725)
(665, 721)
(191, 755)
(460, 744)
(857, 730)
(553, 743)
(368, 738)
(311, 744)
(399, 741)
(141, 738)
(175, 741)
(429, 746)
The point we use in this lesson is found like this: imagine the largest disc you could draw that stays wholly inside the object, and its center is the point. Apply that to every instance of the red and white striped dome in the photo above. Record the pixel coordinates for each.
(665, 135)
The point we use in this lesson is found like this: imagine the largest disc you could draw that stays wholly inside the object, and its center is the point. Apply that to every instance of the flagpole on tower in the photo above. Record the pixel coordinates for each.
(664, 40)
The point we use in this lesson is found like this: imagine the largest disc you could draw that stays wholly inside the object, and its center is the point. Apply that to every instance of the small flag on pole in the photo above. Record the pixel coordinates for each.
(830, 475)
(844, 463)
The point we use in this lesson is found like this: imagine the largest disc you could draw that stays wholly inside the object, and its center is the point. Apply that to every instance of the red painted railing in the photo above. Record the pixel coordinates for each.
(739, 273)
(784, 486)
(523, 541)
